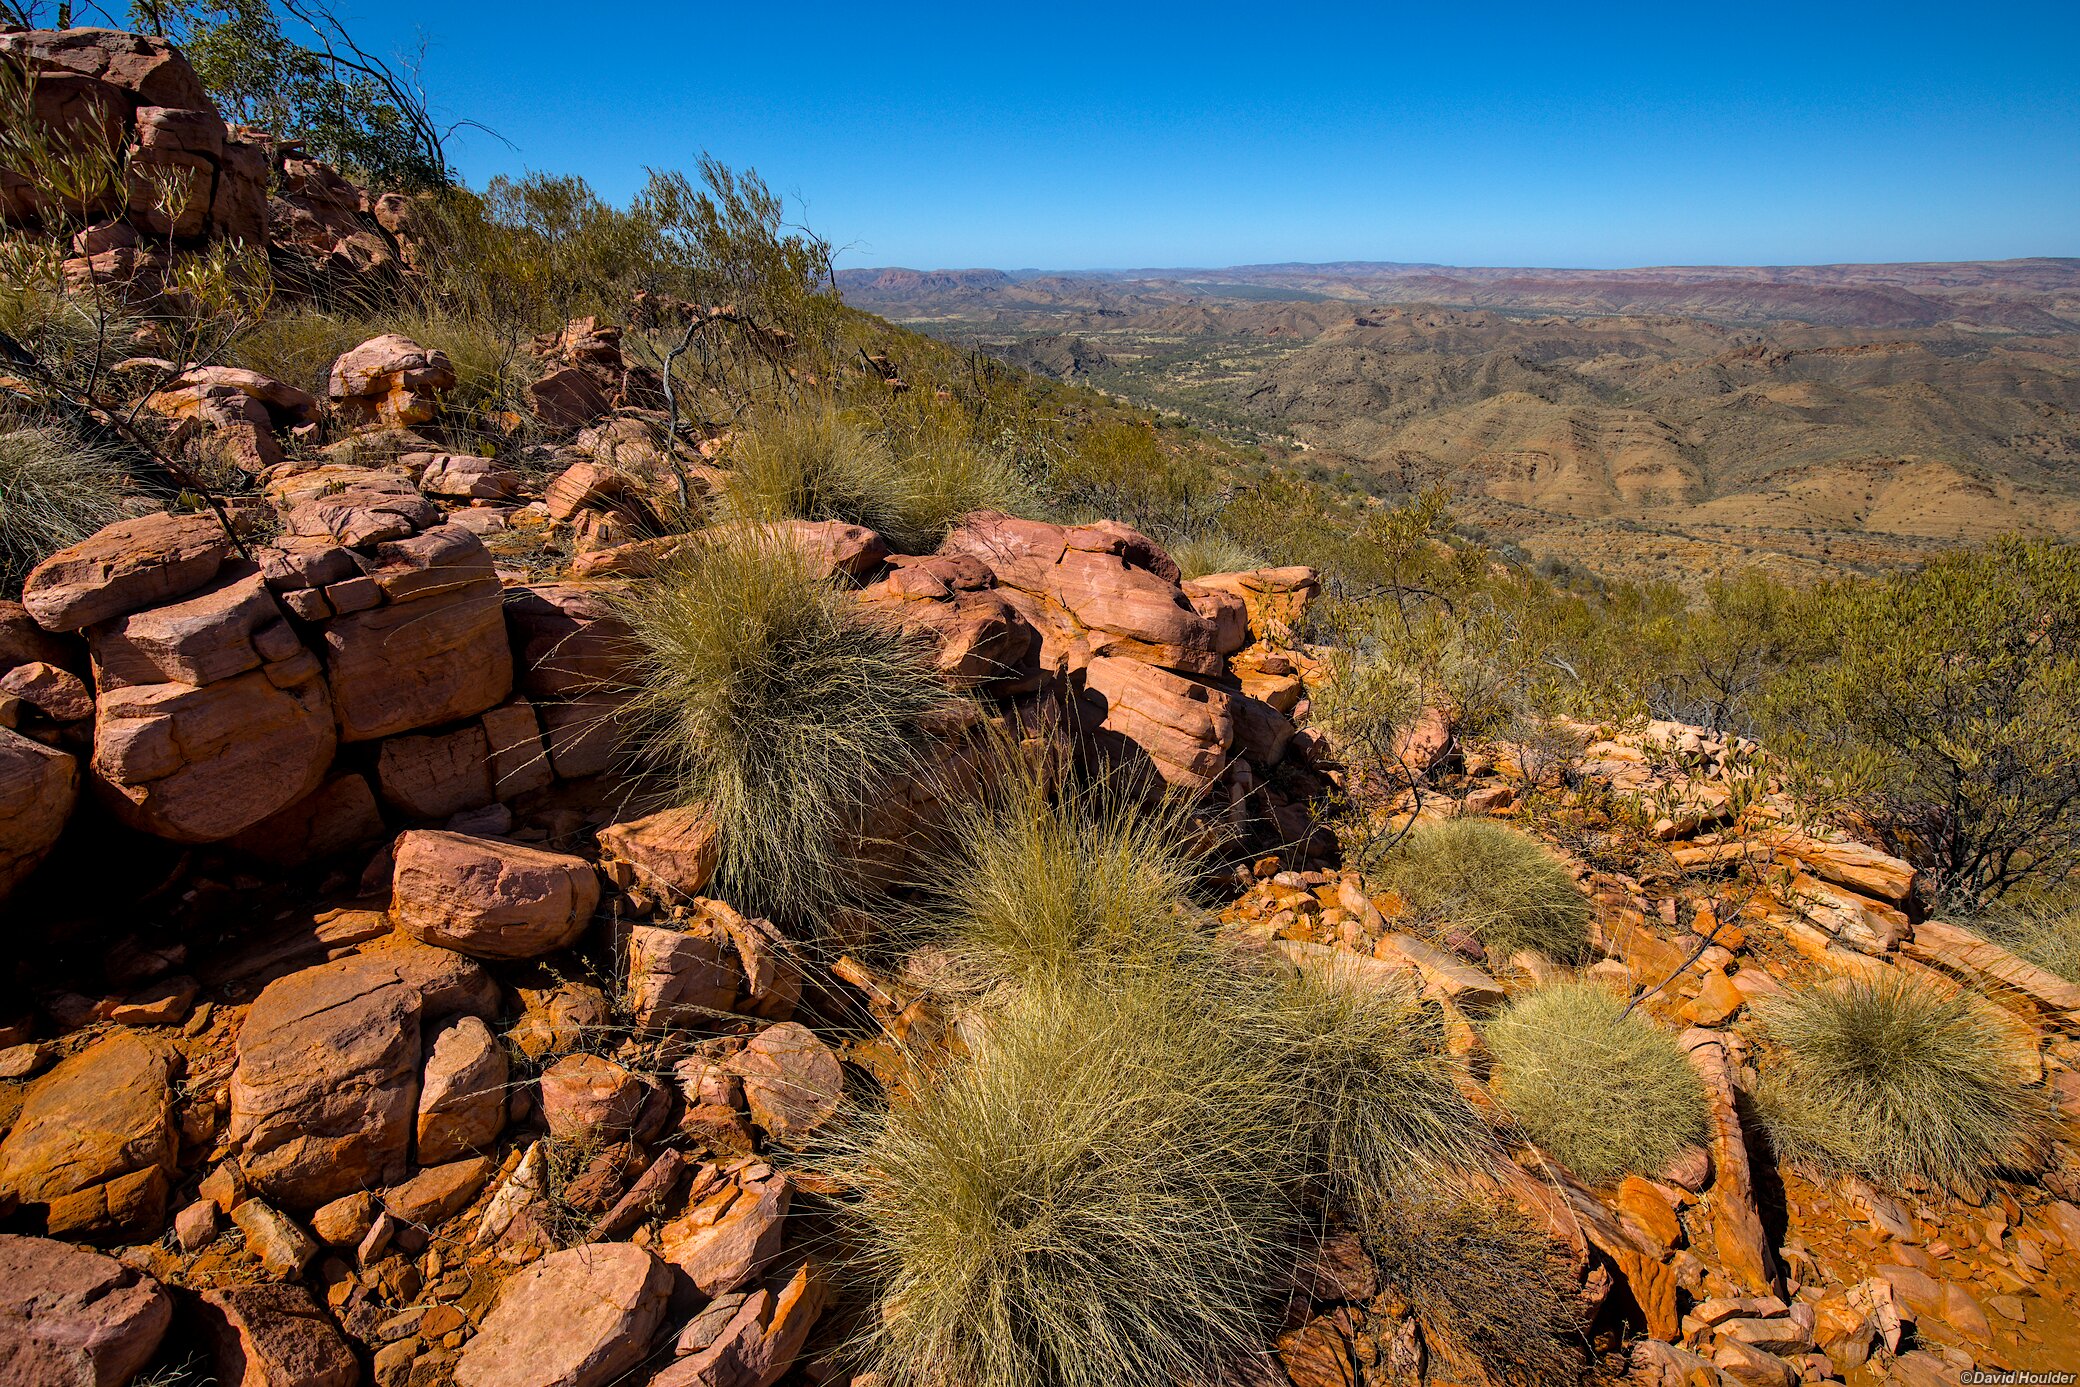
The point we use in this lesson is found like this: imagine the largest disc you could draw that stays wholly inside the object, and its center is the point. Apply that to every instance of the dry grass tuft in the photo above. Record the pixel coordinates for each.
(1604, 1091)
(771, 697)
(2045, 932)
(1490, 1288)
(1104, 1197)
(1048, 884)
(53, 492)
(1375, 1086)
(1899, 1082)
(1210, 551)
(1495, 883)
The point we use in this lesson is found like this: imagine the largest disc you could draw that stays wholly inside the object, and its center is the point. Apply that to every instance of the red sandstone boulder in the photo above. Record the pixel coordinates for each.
(1091, 591)
(731, 1236)
(681, 977)
(792, 1081)
(199, 764)
(568, 640)
(275, 1336)
(489, 899)
(462, 1094)
(58, 694)
(123, 567)
(389, 382)
(672, 853)
(586, 1098)
(38, 785)
(94, 1142)
(582, 1317)
(1184, 729)
(1274, 597)
(406, 665)
(225, 629)
(74, 1318)
(324, 1096)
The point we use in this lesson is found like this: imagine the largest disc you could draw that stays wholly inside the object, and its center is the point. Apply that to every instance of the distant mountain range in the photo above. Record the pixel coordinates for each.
(1662, 422)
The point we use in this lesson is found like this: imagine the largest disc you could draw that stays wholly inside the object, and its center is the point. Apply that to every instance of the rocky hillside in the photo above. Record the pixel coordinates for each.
(1658, 423)
(416, 972)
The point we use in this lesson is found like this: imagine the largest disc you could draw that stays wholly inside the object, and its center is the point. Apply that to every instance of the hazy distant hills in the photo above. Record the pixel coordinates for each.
(1672, 421)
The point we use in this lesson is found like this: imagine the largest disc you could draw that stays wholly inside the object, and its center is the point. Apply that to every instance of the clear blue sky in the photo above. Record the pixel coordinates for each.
(1066, 135)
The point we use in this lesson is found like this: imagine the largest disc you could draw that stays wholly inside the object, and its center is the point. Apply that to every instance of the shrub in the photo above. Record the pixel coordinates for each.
(774, 699)
(949, 481)
(1899, 1082)
(1490, 1287)
(1102, 1197)
(1375, 1088)
(1493, 882)
(53, 492)
(1605, 1091)
(1046, 884)
(1951, 712)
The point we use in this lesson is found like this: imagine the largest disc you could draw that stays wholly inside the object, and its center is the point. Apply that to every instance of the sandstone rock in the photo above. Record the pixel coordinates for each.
(568, 640)
(198, 765)
(275, 1336)
(435, 775)
(489, 899)
(284, 1249)
(336, 817)
(584, 734)
(346, 1220)
(324, 1096)
(758, 1339)
(978, 637)
(123, 567)
(461, 477)
(74, 1318)
(227, 628)
(672, 853)
(519, 759)
(1180, 729)
(352, 506)
(195, 1227)
(38, 785)
(588, 1097)
(58, 694)
(389, 382)
(1318, 1354)
(832, 546)
(1737, 1232)
(792, 1081)
(95, 1140)
(681, 977)
(1273, 597)
(416, 664)
(731, 1236)
(1095, 592)
(558, 1019)
(462, 1096)
(437, 1192)
(577, 1318)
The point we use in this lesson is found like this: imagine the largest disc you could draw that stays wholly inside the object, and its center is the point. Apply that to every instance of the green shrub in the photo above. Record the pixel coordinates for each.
(782, 705)
(1492, 1290)
(1949, 712)
(1493, 882)
(1897, 1081)
(53, 492)
(1604, 1091)
(1375, 1088)
(1102, 1197)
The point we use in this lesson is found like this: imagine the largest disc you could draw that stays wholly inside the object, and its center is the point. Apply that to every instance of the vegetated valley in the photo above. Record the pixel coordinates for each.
(1678, 423)
(577, 810)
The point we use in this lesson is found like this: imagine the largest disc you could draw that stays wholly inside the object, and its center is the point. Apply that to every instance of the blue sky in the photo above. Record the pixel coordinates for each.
(1069, 135)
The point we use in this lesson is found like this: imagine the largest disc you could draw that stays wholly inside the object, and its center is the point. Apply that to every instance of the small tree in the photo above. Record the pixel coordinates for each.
(290, 67)
(1950, 714)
